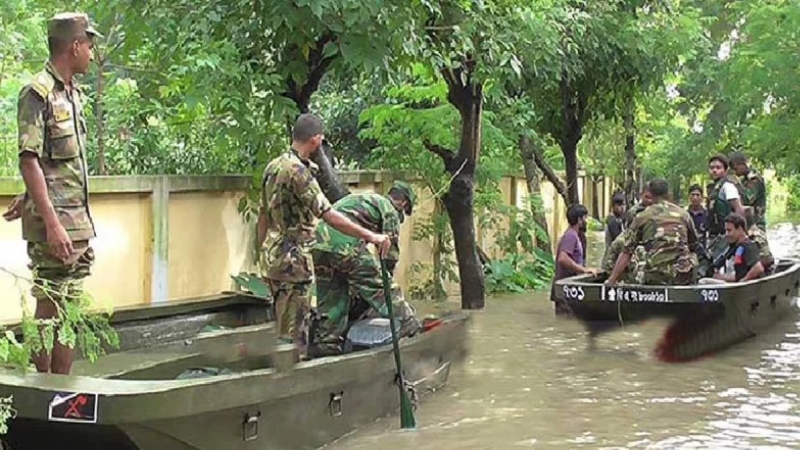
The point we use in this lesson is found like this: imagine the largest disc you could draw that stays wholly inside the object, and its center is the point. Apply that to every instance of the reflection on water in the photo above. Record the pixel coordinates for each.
(531, 383)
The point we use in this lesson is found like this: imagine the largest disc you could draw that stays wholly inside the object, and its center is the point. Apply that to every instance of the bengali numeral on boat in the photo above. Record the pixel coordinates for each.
(709, 295)
(574, 293)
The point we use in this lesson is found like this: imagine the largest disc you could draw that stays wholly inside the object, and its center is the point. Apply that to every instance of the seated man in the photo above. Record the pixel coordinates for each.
(746, 256)
(668, 236)
(348, 271)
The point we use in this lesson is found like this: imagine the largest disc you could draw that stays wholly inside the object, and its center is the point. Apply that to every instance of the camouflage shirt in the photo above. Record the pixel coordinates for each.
(668, 236)
(52, 126)
(759, 237)
(372, 211)
(755, 195)
(291, 200)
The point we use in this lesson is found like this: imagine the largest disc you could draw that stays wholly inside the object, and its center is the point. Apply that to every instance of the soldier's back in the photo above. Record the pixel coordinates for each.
(366, 209)
(664, 235)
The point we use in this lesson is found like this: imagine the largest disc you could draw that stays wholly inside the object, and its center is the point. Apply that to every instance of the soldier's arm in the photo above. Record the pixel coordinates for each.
(391, 227)
(30, 121)
(261, 226)
(631, 237)
(310, 194)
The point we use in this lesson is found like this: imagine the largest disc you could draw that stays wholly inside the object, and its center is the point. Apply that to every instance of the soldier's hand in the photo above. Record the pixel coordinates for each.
(383, 242)
(59, 241)
(590, 270)
(14, 210)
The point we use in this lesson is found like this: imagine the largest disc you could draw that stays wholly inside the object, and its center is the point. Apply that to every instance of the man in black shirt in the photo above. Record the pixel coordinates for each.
(746, 257)
(614, 221)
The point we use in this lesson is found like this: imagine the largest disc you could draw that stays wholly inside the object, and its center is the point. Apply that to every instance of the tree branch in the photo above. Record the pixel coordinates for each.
(448, 156)
(532, 151)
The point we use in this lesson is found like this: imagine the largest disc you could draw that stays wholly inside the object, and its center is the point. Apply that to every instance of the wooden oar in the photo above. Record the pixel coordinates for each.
(406, 410)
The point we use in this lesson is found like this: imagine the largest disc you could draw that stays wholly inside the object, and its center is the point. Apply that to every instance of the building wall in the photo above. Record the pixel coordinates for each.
(164, 238)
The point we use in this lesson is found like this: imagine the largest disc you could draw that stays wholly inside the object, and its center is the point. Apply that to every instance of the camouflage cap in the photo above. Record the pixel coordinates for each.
(407, 191)
(71, 25)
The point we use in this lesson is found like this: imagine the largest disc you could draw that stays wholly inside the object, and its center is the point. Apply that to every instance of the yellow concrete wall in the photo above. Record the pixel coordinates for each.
(207, 239)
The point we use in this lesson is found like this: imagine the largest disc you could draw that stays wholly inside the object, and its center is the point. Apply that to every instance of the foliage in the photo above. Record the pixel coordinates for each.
(516, 273)
(75, 326)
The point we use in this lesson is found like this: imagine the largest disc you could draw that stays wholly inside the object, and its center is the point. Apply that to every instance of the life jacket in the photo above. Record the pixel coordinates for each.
(718, 209)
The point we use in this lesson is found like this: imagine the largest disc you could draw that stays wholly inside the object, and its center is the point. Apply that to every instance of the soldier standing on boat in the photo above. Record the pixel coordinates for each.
(669, 239)
(724, 197)
(56, 221)
(291, 199)
(348, 273)
(753, 186)
(759, 237)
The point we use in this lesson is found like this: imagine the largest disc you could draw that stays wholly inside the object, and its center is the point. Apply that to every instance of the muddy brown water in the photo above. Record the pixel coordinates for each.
(530, 382)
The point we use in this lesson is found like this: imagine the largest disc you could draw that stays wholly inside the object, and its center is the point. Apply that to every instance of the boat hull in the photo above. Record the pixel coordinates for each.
(302, 407)
(704, 318)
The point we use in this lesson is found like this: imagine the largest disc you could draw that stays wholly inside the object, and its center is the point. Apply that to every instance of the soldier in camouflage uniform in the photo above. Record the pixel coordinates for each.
(56, 221)
(291, 200)
(614, 250)
(754, 189)
(347, 272)
(724, 197)
(667, 234)
(759, 237)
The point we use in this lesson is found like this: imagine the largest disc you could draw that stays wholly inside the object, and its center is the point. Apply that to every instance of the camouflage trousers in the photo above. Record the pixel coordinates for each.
(341, 280)
(292, 302)
(55, 279)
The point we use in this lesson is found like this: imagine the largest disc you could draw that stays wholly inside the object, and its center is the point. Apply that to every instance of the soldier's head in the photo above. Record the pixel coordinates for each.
(695, 195)
(403, 197)
(738, 162)
(658, 188)
(618, 204)
(577, 215)
(307, 134)
(717, 167)
(70, 39)
(735, 228)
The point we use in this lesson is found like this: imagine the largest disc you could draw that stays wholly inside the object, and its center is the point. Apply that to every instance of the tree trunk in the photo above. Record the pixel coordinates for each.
(100, 119)
(595, 198)
(527, 153)
(569, 148)
(574, 115)
(327, 177)
(630, 151)
(458, 200)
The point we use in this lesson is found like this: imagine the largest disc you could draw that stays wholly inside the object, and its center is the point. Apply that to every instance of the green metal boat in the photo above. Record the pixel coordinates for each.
(205, 374)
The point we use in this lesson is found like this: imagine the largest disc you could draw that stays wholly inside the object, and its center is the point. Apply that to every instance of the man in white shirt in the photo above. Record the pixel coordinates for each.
(724, 198)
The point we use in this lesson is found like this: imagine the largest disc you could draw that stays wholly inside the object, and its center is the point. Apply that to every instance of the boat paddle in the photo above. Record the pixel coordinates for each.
(406, 411)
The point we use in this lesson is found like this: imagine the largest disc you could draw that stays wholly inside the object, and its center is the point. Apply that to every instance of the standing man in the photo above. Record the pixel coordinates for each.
(615, 221)
(723, 198)
(669, 239)
(347, 272)
(754, 187)
(291, 199)
(56, 221)
(697, 211)
(570, 254)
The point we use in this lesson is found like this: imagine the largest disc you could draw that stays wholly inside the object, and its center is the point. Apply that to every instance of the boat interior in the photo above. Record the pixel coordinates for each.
(201, 337)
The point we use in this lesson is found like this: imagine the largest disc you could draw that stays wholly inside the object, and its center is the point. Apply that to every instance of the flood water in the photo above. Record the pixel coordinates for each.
(531, 382)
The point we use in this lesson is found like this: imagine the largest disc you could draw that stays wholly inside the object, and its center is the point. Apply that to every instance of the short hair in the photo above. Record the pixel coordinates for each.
(737, 221)
(618, 199)
(306, 127)
(695, 187)
(722, 160)
(737, 158)
(575, 212)
(658, 187)
(58, 45)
